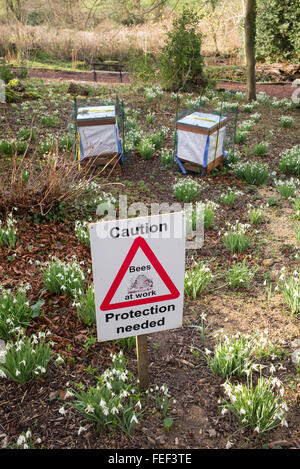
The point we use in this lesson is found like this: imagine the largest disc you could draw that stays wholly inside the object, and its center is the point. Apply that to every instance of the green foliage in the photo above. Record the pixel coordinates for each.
(15, 312)
(197, 279)
(232, 357)
(141, 66)
(113, 403)
(258, 408)
(235, 239)
(8, 232)
(180, 61)
(277, 30)
(252, 172)
(240, 275)
(85, 306)
(5, 72)
(26, 360)
(188, 189)
(63, 278)
(290, 161)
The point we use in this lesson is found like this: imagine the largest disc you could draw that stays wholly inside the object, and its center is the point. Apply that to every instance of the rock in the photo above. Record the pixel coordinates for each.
(212, 432)
(268, 262)
(295, 343)
(296, 356)
(4, 442)
(176, 441)
(151, 441)
(160, 440)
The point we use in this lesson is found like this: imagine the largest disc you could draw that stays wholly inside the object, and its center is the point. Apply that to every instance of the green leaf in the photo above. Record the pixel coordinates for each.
(168, 422)
(36, 308)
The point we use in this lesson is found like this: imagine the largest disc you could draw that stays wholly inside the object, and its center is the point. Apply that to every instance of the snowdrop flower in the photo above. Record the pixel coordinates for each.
(21, 440)
(62, 411)
(89, 409)
(134, 419)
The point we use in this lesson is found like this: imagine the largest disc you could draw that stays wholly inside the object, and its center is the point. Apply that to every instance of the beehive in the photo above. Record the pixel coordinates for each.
(98, 132)
(201, 140)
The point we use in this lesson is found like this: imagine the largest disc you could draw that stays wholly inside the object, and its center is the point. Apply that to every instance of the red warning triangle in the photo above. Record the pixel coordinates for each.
(139, 243)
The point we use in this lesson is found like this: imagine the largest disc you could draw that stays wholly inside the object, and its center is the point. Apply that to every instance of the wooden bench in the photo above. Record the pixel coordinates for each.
(107, 67)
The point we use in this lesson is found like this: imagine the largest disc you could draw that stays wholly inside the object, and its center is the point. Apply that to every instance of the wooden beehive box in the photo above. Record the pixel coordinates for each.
(201, 140)
(98, 133)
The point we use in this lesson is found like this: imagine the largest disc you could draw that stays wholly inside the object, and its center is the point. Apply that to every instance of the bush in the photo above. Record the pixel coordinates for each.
(5, 71)
(180, 61)
(277, 30)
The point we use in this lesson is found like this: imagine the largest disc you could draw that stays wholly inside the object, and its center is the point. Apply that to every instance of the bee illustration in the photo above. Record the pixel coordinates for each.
(140, 284)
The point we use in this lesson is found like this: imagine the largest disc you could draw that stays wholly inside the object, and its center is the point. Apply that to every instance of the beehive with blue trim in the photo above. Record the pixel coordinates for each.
(201, 140)
(98, 132)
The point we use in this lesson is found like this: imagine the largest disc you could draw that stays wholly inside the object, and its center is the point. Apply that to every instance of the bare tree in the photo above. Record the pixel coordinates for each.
(250, 30)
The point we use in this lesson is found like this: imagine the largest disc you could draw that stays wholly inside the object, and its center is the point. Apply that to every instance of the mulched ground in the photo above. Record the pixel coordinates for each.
(195, 390)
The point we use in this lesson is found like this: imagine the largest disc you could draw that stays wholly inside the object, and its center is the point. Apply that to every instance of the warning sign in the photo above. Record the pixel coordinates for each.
(138, 274)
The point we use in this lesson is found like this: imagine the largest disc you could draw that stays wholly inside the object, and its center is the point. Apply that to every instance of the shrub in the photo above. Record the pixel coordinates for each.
(180, 61)
(277, 30)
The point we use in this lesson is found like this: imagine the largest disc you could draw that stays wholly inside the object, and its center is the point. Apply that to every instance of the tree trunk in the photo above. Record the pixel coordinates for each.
(250, 29)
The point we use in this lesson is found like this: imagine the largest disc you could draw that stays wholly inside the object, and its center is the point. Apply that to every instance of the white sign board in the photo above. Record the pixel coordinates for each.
(138, 269)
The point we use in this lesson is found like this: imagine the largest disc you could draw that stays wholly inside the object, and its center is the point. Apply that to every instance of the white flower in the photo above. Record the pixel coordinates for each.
(21, 440)
(134, 419)
(62, 411)
(89, 409)
(80, 430)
